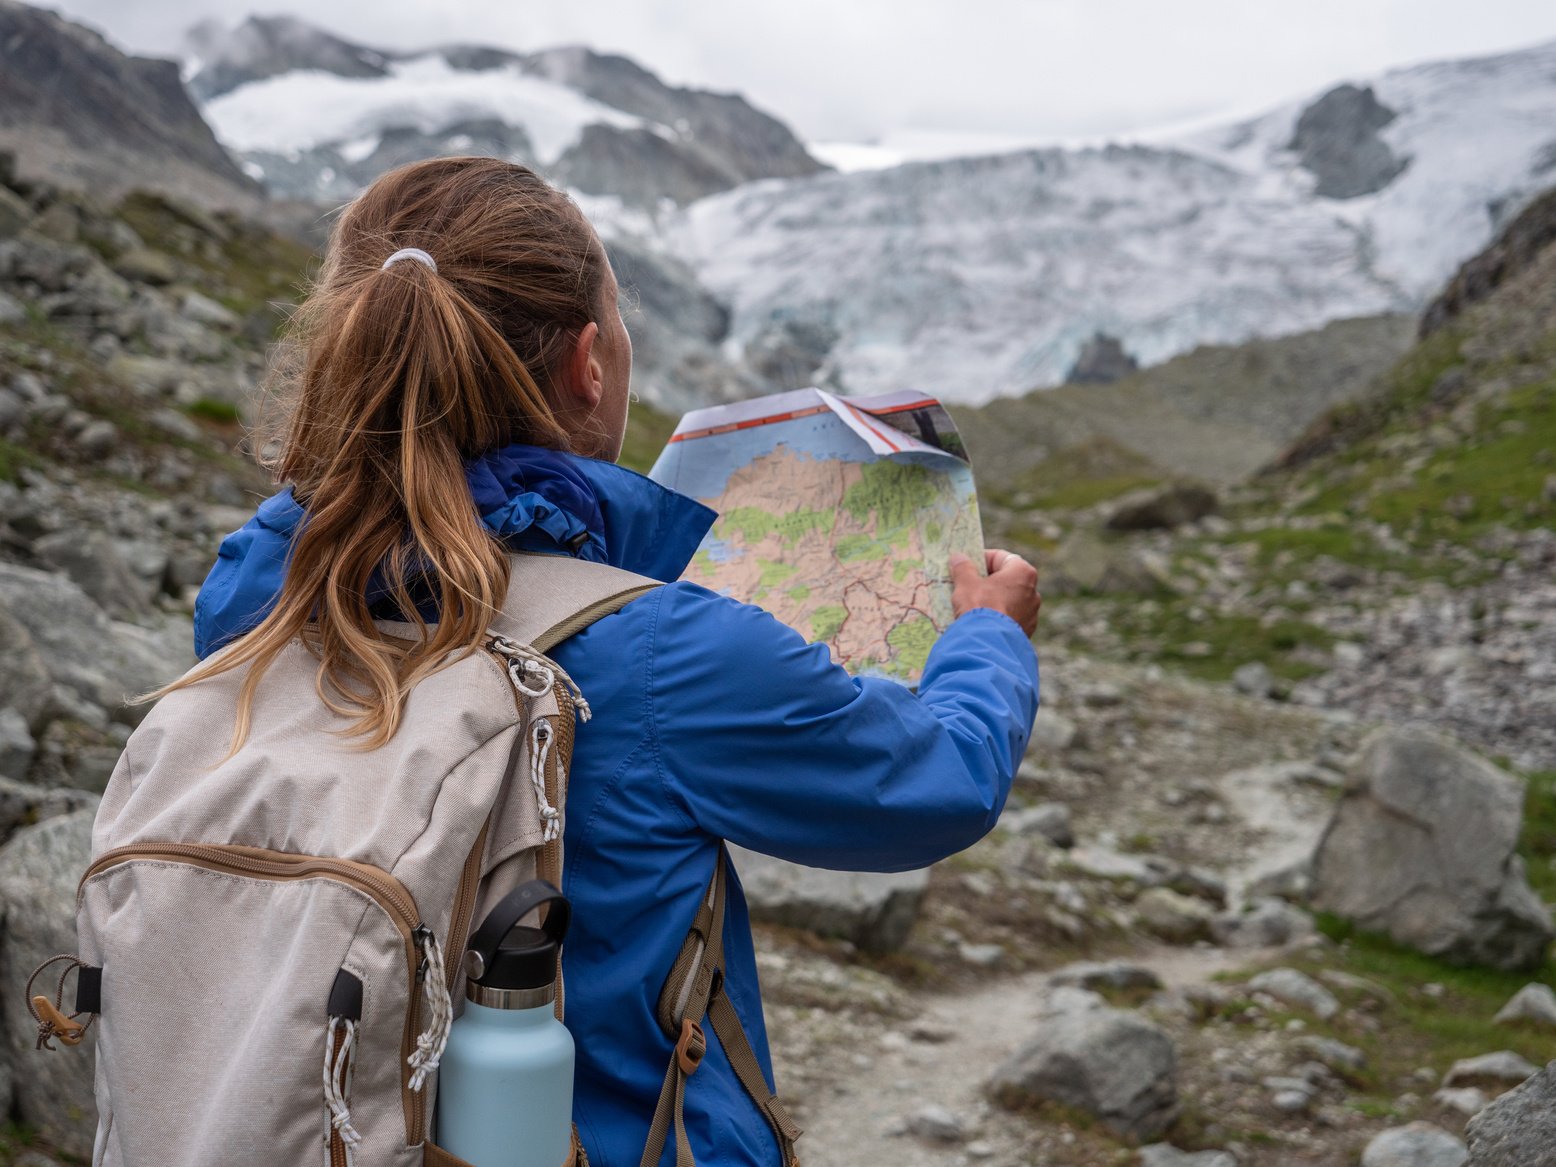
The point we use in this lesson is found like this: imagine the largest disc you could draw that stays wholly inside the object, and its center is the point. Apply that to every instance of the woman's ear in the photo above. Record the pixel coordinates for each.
(582, 377)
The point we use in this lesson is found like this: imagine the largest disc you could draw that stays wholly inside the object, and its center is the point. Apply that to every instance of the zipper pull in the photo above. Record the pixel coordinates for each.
(421, 936)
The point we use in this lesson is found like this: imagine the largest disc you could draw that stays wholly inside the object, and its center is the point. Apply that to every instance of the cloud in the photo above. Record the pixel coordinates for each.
(856, 69)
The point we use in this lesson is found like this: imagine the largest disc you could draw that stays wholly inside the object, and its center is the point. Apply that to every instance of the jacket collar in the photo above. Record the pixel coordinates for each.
(535, 499)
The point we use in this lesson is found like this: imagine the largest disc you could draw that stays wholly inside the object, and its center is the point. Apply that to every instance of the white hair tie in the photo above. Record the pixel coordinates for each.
(415, 253)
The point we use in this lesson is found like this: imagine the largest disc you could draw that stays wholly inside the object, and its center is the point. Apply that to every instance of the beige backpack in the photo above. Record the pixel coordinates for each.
(265, 940)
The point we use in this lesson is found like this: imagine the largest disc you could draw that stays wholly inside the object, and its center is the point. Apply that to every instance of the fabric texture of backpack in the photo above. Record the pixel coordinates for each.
(272, 941)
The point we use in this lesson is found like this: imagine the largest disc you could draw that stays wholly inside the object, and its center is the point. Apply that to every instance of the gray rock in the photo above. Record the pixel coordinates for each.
(93, 562)
(39, 869)
(1297, 990)
(98, 439)
(1466, 1100)
(11, 309)
(1049, 819)
(1534, 1003)
(1254, 679)
(1345, 1060)
(22, 804)
(937, 1125)
(1291, 1101)
(1110, 1063)
(24, 678)
(1111, 974)
(981, 955)
(1351, 983)
(1418, 1145)
(1290, 882)
(17, 745)
(1421, 846)
(1336, 140)
(1167, 1155)
(14, 213)
(81, 649)
(1519, 1128)
(1085, 562)
(204, 310)
(1051, 732)
(1265, 923)
(1102, 360)
(1496, 1070)
(875, 910)
(143, 265)
(1177, 919)
(1162, 508)
(1117, 866)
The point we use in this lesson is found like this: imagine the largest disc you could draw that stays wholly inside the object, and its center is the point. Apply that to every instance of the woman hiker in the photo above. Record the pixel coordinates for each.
(461, 391)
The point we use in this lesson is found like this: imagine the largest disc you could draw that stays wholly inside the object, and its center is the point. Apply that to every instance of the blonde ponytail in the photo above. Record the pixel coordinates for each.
(399, 374)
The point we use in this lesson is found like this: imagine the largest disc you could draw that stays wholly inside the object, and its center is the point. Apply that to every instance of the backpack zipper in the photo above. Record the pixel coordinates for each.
(388, 892)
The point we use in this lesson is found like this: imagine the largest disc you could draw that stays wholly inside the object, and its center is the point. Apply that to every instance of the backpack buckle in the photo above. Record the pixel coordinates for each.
(691, 1047)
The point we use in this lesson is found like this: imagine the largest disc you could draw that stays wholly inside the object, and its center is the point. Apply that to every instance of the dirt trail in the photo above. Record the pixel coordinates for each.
(863, 1120)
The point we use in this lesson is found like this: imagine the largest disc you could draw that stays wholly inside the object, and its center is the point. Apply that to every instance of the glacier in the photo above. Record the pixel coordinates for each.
(982, 277)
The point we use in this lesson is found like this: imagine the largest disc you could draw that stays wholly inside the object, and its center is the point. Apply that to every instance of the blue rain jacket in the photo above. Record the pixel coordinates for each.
(712, 721)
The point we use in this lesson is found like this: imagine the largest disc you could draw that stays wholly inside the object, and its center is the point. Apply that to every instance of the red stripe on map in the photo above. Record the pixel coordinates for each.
(734, 426)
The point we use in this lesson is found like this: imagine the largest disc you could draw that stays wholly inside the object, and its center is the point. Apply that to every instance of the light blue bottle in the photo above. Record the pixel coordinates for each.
(505, 1084)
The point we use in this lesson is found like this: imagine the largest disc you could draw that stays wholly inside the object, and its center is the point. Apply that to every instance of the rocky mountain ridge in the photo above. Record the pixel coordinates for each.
(317, 117)
(75, 110)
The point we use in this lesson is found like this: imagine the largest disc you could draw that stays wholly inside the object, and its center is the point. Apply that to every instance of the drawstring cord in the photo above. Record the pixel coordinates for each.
(337, 1078)
(431, 1043)
(524, 662)
(539, 750)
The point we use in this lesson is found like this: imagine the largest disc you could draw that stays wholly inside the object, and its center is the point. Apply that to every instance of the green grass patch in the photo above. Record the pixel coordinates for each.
(14, 459)
(1417, 1028)
(1537, 843)
(647, 432)
(1210, 645)
(210, 409)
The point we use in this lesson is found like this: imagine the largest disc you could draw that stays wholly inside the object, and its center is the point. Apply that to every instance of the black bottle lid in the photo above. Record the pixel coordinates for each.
(503, 955)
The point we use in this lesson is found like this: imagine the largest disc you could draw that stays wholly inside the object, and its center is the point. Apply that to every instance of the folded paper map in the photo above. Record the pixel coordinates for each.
(838, 515)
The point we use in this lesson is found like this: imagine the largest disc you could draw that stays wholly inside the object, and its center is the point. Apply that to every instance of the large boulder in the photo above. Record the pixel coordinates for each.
(1085, 562)
(103, 663)
(22, 804)
(875, 910)
(39, 869)
(94, 563)
(24, 678)
(1421, 846)
(1163, 507)
(1111, 1063)
(1519, 1128)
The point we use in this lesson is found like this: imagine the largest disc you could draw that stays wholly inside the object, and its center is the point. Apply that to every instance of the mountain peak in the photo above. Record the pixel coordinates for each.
(222, 58)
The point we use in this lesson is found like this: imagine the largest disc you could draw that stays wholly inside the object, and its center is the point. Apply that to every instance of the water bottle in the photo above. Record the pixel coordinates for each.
(505, 1086)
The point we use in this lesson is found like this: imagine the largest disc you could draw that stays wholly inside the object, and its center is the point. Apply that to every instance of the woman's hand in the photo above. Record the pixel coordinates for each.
(1009, 587)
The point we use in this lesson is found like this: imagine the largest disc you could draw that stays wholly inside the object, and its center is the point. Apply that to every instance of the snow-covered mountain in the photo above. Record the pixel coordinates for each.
(315, 116)
(975, 278)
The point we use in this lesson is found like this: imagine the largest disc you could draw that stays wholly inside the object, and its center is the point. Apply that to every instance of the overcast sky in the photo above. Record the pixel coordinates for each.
(856, 70)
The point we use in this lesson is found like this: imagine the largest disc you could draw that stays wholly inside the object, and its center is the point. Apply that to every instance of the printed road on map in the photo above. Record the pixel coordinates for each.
(839, 515)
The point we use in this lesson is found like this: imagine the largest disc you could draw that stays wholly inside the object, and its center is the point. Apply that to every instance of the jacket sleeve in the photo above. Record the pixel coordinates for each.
(763, 741)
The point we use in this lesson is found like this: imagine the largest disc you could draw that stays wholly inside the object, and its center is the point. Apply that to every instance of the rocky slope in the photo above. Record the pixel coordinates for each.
(75, 110)
(317, 117)
(1219, 413)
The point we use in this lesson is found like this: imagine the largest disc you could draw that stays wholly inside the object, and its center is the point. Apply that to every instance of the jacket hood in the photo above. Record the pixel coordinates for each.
(534, 499)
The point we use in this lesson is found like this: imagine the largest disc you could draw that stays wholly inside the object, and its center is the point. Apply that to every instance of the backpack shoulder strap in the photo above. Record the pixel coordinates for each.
(694, 988)
(550, 597)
